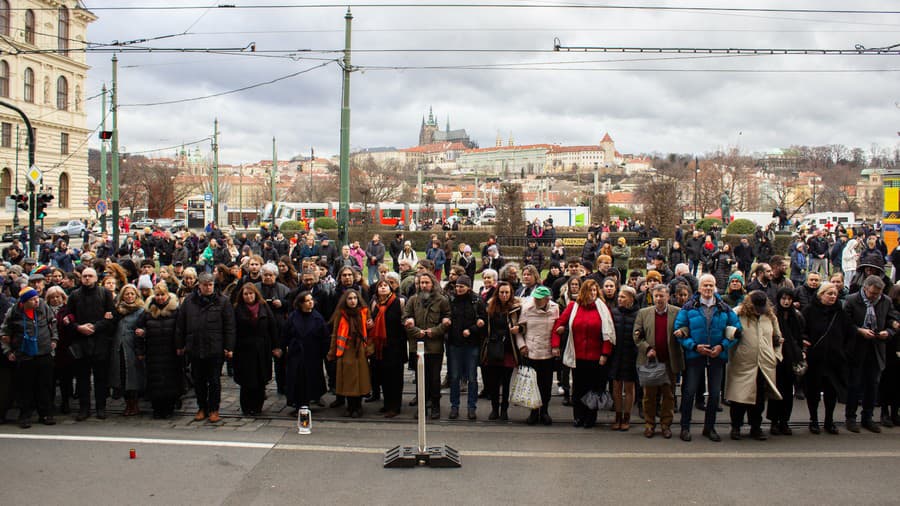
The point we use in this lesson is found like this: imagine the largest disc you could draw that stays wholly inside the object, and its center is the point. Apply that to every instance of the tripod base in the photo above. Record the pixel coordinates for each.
(410, 456)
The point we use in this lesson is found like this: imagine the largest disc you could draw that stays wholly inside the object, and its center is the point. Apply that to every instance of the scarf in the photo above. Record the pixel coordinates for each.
(345, 328)
(254, 310)
(871, 320)
(124, 308)
(379, 332)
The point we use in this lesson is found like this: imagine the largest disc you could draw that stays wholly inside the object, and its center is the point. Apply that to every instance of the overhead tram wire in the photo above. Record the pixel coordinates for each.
(498, 5)
(859, 50)
(176, 146)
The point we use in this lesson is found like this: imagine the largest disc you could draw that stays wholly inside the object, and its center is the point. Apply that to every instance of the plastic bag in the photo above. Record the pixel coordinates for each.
(524, 389)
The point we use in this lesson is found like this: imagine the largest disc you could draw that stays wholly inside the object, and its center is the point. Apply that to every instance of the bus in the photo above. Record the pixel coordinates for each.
(890, 216)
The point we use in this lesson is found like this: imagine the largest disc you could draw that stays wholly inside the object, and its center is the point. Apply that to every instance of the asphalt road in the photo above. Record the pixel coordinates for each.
(505, 464)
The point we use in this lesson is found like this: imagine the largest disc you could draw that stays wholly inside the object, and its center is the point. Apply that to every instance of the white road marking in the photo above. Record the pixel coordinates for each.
(465, 453)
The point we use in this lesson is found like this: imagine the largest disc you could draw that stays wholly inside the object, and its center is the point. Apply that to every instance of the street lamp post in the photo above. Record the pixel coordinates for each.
(696, 188)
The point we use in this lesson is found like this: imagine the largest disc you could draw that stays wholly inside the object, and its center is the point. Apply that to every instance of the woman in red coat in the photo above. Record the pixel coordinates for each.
(587, 326)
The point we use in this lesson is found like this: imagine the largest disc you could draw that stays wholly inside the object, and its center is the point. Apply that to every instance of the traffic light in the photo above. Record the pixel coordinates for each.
(21, 201)
(106, 135)
(40, 207)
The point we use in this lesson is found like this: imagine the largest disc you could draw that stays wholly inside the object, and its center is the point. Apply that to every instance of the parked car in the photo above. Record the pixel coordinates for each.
(71, 228)
(144, 222)
(178, 225)
(164, 223)
(17, 234)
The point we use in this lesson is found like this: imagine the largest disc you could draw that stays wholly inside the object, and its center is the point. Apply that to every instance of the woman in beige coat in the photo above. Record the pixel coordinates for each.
(350, 349)
(751, 368)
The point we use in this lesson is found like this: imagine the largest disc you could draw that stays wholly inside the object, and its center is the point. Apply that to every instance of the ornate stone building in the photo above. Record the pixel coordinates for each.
(42, 71)
(430, 133)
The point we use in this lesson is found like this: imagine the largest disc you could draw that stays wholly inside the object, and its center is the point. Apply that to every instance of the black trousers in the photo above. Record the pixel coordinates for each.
(64, 376)
(34, 382)
(497, 378)
(252, 399)
(280, 372)
(889, 388)
(99, 368)
(544, 370)
(6, 388)
(391, 377)
(815, 385)
(375, 377)
(163, 406)
(779, 412)
(206, 373)
(753, 411)
(433, 363)
(586, 376)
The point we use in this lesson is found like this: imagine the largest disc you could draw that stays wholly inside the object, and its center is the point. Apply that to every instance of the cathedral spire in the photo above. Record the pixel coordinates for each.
(430, 116)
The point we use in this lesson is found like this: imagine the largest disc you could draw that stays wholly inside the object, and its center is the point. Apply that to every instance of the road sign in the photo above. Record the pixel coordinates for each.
(207, 197)
(101, 207)
(34, 175)
(184, 206)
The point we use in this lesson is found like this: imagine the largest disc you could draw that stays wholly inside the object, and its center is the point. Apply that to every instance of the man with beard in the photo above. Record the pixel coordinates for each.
(427, 318)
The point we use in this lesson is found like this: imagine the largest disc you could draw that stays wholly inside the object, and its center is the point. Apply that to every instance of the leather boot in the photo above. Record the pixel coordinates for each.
(626, 421)
(130, 407)
(617, 425)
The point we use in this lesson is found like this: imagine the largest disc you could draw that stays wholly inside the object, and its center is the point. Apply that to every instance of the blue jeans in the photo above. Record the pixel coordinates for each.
(373, 274)
(696, 368)
(463, 362)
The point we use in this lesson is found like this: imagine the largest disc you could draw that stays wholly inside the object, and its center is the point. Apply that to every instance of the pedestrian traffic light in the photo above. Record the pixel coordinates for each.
(106, 135)
(21, 201)
(40, 207)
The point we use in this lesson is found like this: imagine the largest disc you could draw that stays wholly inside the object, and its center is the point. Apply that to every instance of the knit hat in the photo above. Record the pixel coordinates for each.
(541, 292)
(144, 282)
(654, 275)
(622, 241)
(467, 249)
(464, 280)
(27, 294)
(736, 275)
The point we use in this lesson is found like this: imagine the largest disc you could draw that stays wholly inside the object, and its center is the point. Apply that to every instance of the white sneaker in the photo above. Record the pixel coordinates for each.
(560, 390)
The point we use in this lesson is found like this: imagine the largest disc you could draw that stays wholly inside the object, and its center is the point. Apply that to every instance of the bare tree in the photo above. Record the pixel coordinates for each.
(510, 210)
(659, 208)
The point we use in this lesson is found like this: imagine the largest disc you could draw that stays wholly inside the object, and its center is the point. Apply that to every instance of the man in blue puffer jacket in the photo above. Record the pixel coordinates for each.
(706, 328)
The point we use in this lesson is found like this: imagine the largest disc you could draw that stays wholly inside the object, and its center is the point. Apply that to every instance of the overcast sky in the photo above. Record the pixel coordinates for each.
(648, 103)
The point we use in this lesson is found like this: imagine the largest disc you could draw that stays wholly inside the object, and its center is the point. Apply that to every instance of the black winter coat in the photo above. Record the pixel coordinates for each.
(254, 342)
(162, 365)
(88, 305)
(396, 349)
(205, 326)
(305, 339)
(829, 331)
(791, 323)
(465, 311)
(622, 363)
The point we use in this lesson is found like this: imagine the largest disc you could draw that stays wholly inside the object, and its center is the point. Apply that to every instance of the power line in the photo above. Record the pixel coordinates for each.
(168, 147)
(607, 69)
(892, 50)
(229, 92)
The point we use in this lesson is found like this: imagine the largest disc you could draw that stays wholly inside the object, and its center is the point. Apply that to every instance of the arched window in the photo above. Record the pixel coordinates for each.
(63, 31)
(4, 17)
(62, 94)
(4, 79)
(29, 26)
(63, 197)
(29, 85)
(5, 183)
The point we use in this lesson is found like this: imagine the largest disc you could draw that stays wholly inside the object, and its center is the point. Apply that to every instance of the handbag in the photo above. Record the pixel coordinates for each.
(597, 401)
(524, 388)
(495, 349)
(653, 373)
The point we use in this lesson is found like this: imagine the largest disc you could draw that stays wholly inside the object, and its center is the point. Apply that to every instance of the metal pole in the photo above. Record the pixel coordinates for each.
(16, 209)
(696, 189)
(32, 240)
(115, 153)
(103, 181)
(274, 175)
(216, 171)
(420, 392)
(344, 213)
(312, 162)
(241, 196)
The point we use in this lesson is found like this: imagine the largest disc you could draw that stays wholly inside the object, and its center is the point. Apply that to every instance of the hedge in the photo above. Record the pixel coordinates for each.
(741, 226)
(707, 223)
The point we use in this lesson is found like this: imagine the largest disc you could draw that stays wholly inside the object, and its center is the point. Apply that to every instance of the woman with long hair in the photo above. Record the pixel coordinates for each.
(750, 378)
(389, 341)
(125, 374)
(287, 274)
(499, 355)
(305, 340)
(587, 322)
(256, 341)
(350, 348)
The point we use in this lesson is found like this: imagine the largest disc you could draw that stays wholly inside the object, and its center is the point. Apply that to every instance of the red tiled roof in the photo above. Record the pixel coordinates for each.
(510, 148)
(573, 149)
(620, 198)
(436, 147)
(606, 138)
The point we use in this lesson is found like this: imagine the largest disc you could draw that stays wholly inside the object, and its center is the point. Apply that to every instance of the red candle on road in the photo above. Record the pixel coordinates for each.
(132, 454)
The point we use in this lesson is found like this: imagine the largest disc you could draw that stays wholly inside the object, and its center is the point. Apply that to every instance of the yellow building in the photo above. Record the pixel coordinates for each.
(42, 71)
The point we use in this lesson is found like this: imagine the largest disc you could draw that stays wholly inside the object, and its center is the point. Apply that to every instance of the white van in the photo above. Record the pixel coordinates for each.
(820, 220)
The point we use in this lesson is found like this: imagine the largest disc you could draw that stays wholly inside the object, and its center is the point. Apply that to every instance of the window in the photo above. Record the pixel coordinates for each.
(29, 26)
(4, 17)
(63, 190)
(5, 183)
(63, 37)
(62, 94)
(29, 85)
(4, 79)
(6, 135)
(64, 143)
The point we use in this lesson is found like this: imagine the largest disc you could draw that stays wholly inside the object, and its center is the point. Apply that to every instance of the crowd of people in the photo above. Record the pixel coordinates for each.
(166, 313)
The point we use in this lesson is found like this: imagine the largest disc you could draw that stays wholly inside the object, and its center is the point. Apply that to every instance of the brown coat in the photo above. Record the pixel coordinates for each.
(645, 335)
(352, 368)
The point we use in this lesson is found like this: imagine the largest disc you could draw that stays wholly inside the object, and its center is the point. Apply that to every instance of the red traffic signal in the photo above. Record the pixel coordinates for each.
(21, 201)
(106, 134)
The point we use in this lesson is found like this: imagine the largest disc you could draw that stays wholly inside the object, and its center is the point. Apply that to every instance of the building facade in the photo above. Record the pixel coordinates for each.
(42, 71)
